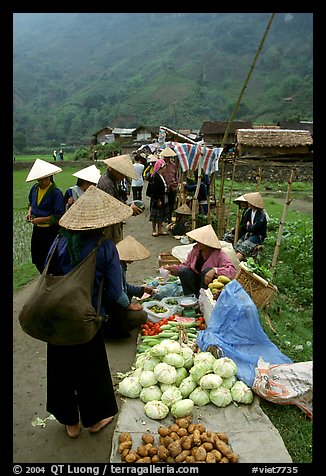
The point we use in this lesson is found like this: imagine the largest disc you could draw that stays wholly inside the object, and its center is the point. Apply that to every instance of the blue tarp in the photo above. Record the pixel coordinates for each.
(235, 328)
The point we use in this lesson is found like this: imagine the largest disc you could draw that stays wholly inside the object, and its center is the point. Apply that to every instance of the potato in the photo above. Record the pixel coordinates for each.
(200, 454)
(190, 459)
(174, 427)
(131, 458)
(152, 451)
(182, 456)
(222, 447)
(167, 440)
(170, 459)
(124, 444)
(186, 442)
(201, 427)
(124, 437)
(196, 435)
(223, 436)
(182, 422)
(191, 427)
(174, 435)
(208, 446)
(124, 453)
(182, 432)
(217, 454)
(210, 458)
(163, 431)
(224, 460)
(147, 438)
(163, 452)
(142, 451)
(155, 459)
(174, 449)
(233, 458)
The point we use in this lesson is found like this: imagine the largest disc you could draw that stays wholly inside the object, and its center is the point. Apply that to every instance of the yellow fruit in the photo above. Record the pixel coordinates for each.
(223, 279)
(217, 284)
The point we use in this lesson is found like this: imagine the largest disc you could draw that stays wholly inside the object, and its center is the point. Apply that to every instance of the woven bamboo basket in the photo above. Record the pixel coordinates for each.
(260, 290)
(167, 258)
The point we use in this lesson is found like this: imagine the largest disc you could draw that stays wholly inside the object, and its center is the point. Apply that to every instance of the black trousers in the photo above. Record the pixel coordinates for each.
(79, 384)
(191, 282)
(41, 241)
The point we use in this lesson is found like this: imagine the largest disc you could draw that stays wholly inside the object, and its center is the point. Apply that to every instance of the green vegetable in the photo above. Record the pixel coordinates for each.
(261, 270)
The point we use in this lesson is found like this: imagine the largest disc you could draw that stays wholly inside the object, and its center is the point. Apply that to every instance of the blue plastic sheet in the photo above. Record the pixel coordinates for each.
(235, 328)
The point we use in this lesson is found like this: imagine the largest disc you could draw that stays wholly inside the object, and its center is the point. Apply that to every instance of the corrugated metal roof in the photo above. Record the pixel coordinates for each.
(120, 130)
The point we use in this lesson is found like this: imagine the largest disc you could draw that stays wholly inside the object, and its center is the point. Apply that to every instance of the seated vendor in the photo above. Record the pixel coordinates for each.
(204, 262)
(125, 315)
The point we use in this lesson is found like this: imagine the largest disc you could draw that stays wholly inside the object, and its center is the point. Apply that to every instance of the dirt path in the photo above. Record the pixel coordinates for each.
(50, 443)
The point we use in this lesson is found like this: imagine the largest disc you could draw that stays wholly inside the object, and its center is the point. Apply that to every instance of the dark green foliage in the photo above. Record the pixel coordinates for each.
(75, 73)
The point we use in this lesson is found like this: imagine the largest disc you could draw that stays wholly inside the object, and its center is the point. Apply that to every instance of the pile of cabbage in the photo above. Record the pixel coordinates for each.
(170, 377)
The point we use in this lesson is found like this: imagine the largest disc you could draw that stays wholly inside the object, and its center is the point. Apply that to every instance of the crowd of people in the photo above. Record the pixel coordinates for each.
(79, 386)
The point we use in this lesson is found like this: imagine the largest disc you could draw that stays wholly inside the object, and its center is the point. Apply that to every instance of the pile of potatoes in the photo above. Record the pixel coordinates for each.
(181, 442)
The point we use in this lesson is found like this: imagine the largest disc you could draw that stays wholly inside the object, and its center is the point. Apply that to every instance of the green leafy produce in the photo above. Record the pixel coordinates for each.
(261, 270)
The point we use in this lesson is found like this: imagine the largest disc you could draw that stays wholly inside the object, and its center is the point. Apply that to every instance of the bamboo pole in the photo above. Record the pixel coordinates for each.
(231, 193)
(258, 178)
(222, 201)
(237, 226)
(222, 221)
(288, 200)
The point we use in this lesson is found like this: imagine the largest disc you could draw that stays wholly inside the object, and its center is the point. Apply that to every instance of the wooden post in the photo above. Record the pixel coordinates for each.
(230, 199)
(221, 223)
(237, 226)
(259, 177)
(280, 230)
(222, 220)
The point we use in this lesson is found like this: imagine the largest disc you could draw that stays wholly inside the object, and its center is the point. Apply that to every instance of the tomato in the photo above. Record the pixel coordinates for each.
(202, 327)
(171, 318)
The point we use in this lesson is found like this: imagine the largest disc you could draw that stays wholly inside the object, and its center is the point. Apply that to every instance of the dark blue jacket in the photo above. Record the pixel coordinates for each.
(259, 226)
(52, 204)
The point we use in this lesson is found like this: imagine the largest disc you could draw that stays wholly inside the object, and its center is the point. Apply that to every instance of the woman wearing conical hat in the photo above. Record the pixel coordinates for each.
(254, 230)
(125, 315)
(79, 386)
(204, 262)
(46, 206)
(85, 178)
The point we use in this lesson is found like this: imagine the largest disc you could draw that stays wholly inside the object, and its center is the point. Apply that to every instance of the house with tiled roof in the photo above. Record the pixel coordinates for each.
(212, 132)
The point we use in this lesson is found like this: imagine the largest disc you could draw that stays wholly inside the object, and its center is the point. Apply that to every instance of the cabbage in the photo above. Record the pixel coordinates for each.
(170, 396)
(148, 394)
(210, 381)
(140, 360)
(130, 387)
(165, 373)
(181, 375)
(166, 386)
(188, 357)
(173, 359)
(151, 362)
(147, 378)
(158, 351)
(229, 382)
(197, 371)
(205, 357)
(199, 396)
(187, 386)
(156, 410)
(182, 408)
(221, 397)
(225, 367)
(171, 346)
(241, 393)
(137, 372)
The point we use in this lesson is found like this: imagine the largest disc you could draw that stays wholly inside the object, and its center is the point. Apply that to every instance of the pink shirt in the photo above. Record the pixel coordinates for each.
(218, 259)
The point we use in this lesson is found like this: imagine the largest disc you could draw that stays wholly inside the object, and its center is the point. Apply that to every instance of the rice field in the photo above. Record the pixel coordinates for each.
(21, 238)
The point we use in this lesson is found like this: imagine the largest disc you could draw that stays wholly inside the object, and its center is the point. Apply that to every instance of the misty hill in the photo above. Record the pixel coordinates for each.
(75, 73)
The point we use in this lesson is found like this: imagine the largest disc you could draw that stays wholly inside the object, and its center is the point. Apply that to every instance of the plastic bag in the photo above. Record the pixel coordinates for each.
(234, 326)
(155, 317)
(285, 384)
(169, 290)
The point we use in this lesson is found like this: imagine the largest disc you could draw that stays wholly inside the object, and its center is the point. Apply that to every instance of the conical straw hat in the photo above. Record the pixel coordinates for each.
(254, 199)
(167, 152)
(183, 210)
(122, 164)
(90, 174)
(94, 209)
(130, 249)
(205, 235)
(152, 158)
(42, 169)
(239, 199)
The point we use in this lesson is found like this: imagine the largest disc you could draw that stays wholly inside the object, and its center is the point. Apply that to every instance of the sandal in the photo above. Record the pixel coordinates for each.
(100, 425)
(154, 233)
(164, 233)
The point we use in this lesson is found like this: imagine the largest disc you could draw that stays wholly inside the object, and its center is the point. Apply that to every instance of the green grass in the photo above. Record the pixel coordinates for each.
(288, 322)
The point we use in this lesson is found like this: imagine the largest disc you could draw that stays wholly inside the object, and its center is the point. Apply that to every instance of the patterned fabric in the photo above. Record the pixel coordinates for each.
(189, 156)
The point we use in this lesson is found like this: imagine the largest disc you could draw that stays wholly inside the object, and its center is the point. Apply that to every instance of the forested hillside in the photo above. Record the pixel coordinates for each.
(77, 72)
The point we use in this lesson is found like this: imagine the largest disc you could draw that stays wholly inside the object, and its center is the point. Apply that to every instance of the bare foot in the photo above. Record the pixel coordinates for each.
(73, 430)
